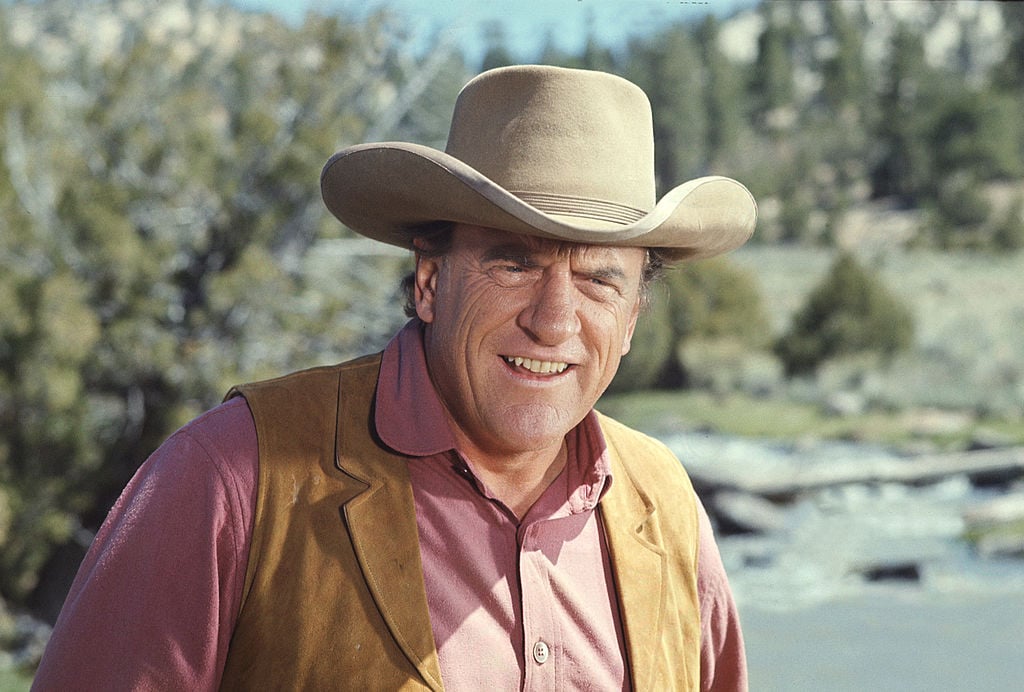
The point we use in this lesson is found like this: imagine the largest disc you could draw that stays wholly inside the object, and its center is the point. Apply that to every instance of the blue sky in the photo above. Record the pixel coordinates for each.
(527, 23)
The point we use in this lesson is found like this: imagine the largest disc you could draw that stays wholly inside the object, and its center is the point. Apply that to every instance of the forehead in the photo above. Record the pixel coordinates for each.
(495, 243)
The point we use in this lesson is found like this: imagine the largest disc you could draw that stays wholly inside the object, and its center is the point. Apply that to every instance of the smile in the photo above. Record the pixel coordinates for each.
(538, 367)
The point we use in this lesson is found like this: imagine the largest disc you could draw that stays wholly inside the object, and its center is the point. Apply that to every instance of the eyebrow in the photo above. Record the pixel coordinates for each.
(514, 252)
(523, 254)
(607, 273)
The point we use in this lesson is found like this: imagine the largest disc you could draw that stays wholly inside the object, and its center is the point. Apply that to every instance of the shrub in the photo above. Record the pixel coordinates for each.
(851, 311)
(707, 300)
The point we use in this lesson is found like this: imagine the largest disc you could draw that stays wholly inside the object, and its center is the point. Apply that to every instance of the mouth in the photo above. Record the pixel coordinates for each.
(537, 367)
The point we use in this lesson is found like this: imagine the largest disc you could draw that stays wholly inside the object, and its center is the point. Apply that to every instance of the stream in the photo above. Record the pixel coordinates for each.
(865, 586)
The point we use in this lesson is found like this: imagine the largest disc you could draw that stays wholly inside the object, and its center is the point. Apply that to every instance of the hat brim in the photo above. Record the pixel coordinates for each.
(382, 190)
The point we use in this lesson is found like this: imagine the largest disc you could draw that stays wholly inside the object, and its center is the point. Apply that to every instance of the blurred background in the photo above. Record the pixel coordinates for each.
(847, 391)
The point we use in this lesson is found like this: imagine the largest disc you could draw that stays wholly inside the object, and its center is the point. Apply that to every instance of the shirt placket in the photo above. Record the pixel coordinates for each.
(542, 645)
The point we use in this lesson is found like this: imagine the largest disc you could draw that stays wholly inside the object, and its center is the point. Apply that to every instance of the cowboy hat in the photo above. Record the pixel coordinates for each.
(544, 151)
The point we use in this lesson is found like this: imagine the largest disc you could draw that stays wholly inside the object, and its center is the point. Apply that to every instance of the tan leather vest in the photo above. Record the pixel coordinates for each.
(334, 595)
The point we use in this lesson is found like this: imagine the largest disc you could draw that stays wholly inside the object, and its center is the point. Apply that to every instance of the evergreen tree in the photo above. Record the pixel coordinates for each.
(157, 224)
(772, 88)
(668, 68)
(1008, 75)
(496, 52)
(723, 95)
(850, 311)
(903, 164)
(707, 300)
(843, 74)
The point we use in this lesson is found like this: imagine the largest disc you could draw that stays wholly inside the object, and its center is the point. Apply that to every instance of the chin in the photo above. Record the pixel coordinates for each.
(536, 426)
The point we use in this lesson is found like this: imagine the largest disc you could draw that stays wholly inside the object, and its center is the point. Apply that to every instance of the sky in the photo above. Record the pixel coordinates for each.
(527, 23)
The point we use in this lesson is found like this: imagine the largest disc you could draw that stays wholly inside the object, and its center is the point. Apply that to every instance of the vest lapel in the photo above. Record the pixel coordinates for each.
(639, 566)
(382, 524)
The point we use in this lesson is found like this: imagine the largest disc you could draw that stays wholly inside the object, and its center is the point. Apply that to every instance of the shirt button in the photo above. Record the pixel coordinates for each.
(540, 652)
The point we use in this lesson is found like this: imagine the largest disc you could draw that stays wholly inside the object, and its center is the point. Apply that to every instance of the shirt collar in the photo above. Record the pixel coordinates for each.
(411, 419)
(409, 415)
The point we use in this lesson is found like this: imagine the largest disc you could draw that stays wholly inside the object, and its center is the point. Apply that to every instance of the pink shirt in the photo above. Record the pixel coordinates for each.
(513, 604)
(155, 600)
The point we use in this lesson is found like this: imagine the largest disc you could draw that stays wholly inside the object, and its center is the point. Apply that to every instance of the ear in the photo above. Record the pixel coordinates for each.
(627, 339)
(425, 286)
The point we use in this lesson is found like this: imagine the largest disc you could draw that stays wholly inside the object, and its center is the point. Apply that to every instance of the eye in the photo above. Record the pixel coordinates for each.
(510, 274)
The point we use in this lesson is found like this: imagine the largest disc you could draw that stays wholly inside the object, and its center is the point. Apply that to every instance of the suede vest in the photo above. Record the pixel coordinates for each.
(334, 595)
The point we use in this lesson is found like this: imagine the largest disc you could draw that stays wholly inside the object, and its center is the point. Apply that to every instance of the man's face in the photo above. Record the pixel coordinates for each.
(523, 334)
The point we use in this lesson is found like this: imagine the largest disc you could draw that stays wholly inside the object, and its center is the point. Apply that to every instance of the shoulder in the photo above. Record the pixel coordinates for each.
(299, 398)
(212, 460)
(646, 459)
(302, 380)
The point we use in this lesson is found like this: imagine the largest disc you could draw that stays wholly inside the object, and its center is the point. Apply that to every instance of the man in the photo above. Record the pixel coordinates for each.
(450, 513)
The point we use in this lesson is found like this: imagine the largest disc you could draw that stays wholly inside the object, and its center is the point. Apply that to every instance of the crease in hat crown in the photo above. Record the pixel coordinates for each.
(547, 151)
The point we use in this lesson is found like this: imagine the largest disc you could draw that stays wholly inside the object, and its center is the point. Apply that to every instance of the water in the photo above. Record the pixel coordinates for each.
(946, 619)
(889, 638)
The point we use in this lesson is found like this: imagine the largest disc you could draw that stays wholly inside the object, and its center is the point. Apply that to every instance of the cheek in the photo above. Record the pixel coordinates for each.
(627, 339)
(612, 328)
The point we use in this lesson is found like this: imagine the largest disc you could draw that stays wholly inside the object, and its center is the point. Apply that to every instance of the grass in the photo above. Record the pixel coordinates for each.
(14, 681)
(1006, 533)
(963, 379)
(659, 412)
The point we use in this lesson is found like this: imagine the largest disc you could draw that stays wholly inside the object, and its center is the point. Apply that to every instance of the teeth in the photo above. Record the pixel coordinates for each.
(540, 367)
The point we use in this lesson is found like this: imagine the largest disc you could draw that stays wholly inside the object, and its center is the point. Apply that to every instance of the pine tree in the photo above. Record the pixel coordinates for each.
(850, 311)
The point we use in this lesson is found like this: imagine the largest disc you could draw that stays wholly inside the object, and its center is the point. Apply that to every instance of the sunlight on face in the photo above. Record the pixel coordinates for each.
(524, 334)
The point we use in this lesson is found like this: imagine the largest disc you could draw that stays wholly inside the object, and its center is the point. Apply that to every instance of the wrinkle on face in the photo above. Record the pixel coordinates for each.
(496, 295)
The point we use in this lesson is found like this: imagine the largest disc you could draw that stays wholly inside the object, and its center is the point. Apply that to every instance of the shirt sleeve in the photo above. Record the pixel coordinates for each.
(723, 663)
(156, 598)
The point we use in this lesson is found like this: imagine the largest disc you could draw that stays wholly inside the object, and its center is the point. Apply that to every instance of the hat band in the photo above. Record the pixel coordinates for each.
(596, 209)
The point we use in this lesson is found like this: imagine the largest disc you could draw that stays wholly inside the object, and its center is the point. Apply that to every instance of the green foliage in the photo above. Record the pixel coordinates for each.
(162, 236)
(772, 86)
(711, 300)
(851, 311)
(903, 168)
(1008, 234)
(160, 212)
(724, 98)
(843, 73)
(668, 68)
(971, 132)
(653, 343)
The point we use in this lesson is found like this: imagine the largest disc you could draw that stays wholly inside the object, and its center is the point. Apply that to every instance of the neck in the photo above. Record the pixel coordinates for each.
(518, 480)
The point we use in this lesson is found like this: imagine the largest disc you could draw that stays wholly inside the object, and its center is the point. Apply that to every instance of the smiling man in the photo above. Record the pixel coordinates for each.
(451, 513)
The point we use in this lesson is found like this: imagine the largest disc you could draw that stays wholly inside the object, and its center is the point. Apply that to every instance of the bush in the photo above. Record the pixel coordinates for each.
(708, 300)
(1008, 234)
(851, 311)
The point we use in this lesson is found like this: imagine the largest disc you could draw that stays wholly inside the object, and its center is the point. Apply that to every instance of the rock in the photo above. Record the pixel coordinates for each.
(843, 404)
(742, 513)
(986, 438)
(901, 571)
(996, 528)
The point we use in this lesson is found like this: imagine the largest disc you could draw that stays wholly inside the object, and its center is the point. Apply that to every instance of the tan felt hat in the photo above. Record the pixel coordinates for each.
(543, 151)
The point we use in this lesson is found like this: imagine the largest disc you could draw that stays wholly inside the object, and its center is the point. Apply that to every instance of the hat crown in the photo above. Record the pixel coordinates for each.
(567, 141)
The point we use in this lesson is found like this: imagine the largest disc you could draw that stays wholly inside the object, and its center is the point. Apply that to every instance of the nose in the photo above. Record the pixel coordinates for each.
(552, 315)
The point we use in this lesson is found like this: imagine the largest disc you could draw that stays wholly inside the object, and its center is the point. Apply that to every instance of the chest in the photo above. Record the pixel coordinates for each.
(515, 604)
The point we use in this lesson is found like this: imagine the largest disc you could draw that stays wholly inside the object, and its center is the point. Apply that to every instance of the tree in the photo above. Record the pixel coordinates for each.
(844, 79)
(708, 300)
(723, 96)
(903, 162)
(497, 53)
(772, 89)
(668, 68)
(850, 311)
(159, 217)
